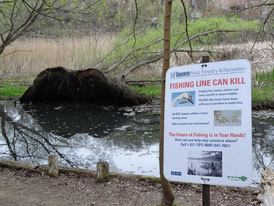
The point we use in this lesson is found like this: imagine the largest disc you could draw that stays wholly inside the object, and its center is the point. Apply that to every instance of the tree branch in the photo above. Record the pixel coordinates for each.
(261, 28)
(157, 57)
(16, 33)
(21, 127)
(135, 22)
(3, 129)
(187, 35)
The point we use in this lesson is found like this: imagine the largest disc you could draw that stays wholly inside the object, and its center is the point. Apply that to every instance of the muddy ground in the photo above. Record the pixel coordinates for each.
(35, 188)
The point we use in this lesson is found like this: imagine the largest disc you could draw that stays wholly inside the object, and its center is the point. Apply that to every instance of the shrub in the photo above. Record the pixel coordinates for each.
(148, 42)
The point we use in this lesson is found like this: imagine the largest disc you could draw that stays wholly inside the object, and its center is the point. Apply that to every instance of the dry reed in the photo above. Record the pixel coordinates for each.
(26, 58)
(261, 58)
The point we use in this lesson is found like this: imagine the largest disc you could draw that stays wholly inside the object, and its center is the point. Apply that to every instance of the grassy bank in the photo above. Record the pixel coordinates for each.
(12, 88)
(259, 95)
(263, 97)
(262, 88)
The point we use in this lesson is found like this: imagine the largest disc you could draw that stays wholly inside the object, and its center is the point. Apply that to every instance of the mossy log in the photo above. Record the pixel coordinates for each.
(61, 84)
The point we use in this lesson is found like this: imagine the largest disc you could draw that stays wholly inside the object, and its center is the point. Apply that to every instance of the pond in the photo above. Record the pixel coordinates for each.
(82, 134)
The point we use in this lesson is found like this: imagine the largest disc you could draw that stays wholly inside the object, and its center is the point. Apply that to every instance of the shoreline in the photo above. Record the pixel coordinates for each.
(258, 106)
(18, 165)
(36, 187)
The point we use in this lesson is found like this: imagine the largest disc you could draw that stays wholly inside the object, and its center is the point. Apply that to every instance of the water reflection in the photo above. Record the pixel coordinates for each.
(83, 134)
(263, 143)
(70, 119)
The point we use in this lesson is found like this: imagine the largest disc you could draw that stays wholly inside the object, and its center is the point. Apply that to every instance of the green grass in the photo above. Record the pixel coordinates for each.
(10, 88)
(263, 95)
(153, 91)
(259, 95)
(263, 87)
(263, 79)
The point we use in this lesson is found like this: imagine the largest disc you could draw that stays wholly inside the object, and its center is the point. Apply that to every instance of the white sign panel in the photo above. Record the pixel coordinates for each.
(207, 131)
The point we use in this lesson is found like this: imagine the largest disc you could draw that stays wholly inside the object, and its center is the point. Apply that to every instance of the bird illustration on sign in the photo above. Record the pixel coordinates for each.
(183, 99)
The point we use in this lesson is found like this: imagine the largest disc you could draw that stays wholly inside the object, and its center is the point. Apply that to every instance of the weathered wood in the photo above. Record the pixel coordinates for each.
(102, 170)
(62, 170)
(143, 81)
(138, 64)
(15, 164)
(168, 195)
(53, 165)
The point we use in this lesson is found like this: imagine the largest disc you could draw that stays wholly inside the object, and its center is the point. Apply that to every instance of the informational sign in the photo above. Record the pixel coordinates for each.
(207, 130)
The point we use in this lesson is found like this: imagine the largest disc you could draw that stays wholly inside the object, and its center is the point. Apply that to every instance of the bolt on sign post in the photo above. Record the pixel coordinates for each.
(207, 126)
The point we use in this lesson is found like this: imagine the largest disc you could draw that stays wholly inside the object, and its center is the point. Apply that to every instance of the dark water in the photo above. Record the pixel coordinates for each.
(83, 134)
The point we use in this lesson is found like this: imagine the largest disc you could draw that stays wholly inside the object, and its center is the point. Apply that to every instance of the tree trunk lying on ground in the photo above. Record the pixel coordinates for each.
(58, 84)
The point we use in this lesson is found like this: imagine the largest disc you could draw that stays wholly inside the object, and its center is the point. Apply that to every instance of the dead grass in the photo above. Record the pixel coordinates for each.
(26, 58)
(261, 58)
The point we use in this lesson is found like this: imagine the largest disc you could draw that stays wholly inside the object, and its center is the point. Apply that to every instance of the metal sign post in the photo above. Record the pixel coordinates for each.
(206, 195)
(205, 188)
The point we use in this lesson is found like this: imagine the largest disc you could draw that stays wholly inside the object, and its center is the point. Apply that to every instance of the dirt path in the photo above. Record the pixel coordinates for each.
(35, 188)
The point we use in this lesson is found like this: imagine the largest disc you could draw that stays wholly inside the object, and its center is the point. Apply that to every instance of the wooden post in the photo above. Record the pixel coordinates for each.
(53, 165)
(102, 171)
(168, 195)
(206, 188)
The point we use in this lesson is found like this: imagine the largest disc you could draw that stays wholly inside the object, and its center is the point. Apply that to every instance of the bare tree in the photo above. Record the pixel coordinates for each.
(21, 17)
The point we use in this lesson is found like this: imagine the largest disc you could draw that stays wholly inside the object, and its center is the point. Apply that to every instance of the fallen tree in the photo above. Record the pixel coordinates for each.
(61, 84)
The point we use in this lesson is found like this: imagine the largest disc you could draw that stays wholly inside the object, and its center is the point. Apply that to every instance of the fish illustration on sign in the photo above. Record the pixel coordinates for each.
(183, 102)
